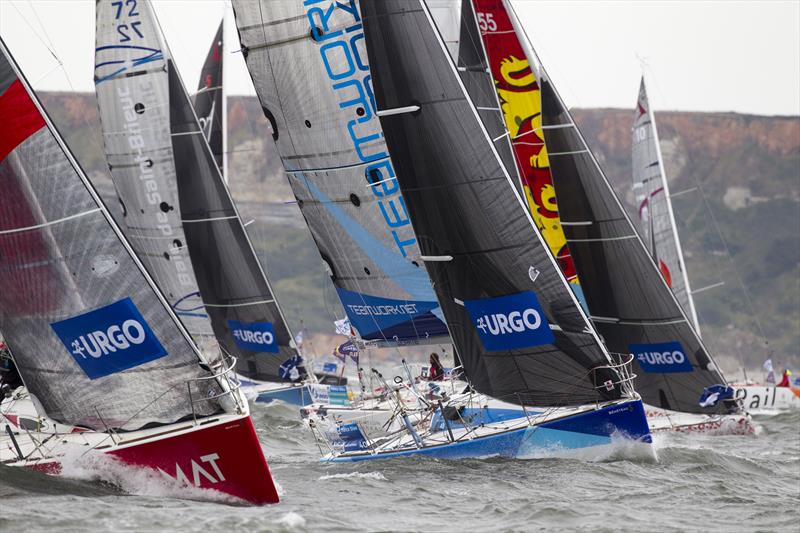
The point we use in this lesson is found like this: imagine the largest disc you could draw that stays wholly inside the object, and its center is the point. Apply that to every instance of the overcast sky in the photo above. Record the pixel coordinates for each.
(700, 55)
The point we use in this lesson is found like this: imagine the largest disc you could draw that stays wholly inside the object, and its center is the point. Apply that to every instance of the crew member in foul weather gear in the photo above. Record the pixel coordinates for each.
(436, 372)
(786, 379)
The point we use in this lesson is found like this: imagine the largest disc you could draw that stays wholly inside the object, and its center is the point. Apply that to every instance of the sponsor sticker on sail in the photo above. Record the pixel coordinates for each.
(510, 322)
(254, 336)
(109, 339)
(661, 358)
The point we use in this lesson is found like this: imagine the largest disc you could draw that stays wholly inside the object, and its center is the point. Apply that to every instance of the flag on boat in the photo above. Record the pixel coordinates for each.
(343, 327)
(289, 369)
(770, 371)
(714, 394)
(298, 340)
(346, 349)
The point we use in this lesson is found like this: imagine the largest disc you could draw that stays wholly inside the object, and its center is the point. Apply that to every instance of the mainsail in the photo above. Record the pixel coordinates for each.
(92, 336)
(517, 327)
(209, 101)
(310, 70)
(245, 318)
(132, 92)
(631, 305)
(659, 231)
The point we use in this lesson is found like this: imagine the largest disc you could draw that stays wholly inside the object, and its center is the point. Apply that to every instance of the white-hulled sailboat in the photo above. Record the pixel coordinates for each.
(94, 339)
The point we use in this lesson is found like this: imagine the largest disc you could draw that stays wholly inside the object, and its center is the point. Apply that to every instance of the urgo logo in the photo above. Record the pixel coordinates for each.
(254, 336)
(510, 322)
(661, 358)
(109, 339)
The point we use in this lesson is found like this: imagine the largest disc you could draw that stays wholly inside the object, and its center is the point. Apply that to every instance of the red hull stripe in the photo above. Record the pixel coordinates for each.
(18, 116)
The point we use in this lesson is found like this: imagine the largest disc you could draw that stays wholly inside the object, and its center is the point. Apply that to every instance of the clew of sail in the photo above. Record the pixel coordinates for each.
(132, 88)
(654, 205)
(312, 77)
(631, 305)
(92, 336)
(517, 327)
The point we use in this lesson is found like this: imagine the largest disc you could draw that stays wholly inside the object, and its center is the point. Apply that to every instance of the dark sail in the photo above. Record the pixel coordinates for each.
(209, 99)
(246, 320)
(631, 306)
(473, 229)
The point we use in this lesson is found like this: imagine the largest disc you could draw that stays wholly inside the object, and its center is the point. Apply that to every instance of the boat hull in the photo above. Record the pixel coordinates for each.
(590, 434)
(761, 399)
(304, 395)
(223, 455)
(662, 421)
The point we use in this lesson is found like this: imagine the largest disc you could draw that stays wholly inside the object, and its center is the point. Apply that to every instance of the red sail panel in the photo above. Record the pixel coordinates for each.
(521, 105)
(24, 255)
(19, 117)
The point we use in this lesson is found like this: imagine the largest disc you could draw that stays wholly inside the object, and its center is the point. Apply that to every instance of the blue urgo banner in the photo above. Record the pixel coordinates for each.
(109, 339)
(510, 322)
(661, 358)
(254, 336)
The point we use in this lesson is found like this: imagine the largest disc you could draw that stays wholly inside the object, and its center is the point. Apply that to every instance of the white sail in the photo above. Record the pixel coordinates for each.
(659, 231)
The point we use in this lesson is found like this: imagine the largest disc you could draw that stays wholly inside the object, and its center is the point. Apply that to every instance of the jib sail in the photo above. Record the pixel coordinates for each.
(92, 336)
(516, 325)
(310, 70)
(209, 101)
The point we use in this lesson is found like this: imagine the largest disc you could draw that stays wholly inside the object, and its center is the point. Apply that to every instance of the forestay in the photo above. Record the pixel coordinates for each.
(92, 337)
(517, 327)
(631, 306)
(310, 70)
(133, 94)
(657, 220)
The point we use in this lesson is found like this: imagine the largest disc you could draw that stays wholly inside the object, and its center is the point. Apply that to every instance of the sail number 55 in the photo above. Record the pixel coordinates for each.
(486, 22)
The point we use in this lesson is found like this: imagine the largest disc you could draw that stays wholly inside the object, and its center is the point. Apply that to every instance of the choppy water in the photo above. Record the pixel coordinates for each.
(735, 483)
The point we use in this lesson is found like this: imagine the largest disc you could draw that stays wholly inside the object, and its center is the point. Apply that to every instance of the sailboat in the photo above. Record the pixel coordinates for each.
(95, 340)
(660, 233)
(177, 209)
(519, 332)
(598, 248)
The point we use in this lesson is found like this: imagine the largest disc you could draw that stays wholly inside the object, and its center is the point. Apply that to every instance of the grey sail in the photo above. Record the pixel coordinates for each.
(631, 306)
(311, 73)
(473, 228)
(132, 89)
(209, 100)
(92, 336)
(236, 296)
(657, 220)
(458, 26)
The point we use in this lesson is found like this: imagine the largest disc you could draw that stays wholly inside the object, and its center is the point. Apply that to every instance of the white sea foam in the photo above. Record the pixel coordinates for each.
(357, 475)
(291, 520)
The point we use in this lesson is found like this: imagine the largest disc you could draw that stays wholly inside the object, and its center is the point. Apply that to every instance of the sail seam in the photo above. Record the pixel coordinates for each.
(213, 219)
(259, 302)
